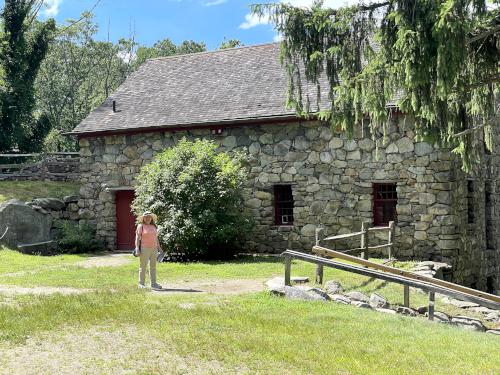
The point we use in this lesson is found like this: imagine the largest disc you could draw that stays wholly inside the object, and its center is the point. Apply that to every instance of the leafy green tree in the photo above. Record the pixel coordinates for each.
(230, 43)
(76, 76)
(197, 194)
(439, 57)
(23, 45)
(164, 48)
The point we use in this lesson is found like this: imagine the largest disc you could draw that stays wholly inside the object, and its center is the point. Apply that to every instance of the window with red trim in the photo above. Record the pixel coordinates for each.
(385, 199)
(283, 205)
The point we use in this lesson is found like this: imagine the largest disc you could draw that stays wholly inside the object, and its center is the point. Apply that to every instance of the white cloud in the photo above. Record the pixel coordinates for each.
(251, 20)
(278, 38)
(51, 7)
(210, 3)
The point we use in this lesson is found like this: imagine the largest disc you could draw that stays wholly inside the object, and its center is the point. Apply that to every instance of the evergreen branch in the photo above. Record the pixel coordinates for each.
(483, 35)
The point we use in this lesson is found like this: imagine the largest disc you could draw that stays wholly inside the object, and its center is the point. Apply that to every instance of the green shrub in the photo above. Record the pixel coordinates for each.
(76, 239)
(197, 194)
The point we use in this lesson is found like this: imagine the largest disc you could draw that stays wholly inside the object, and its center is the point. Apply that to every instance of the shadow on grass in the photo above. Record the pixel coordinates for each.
(176, 290)
(368, 282)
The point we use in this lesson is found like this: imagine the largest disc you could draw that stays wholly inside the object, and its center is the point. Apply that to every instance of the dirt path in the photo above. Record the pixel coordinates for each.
(226, 287)
(99, 350)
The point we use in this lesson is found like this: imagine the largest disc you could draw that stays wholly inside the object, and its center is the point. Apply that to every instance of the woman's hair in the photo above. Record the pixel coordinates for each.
(152, 221)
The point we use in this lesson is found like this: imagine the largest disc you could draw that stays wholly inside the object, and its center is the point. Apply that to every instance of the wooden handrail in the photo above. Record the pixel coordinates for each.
(376, 229)
(427, 284)
(396, 271)
(342, 236)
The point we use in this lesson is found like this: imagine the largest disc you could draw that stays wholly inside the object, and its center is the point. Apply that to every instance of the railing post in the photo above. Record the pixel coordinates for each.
(288, 270)
(432, 296)
(319, 267)
(390, 239)
(406, 296)
(364, 240)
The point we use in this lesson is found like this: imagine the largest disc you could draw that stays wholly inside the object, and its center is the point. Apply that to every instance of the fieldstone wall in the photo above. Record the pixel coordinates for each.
(332, 184)
(474, 258)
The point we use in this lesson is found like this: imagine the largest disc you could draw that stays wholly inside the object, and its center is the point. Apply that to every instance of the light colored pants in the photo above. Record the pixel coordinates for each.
(148, 256)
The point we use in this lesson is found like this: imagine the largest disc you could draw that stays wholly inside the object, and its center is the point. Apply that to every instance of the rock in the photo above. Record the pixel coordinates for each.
(336, 143)
(434, 265)
(308, 230)
(26, 225)
(422, 309)
(70, 199)
(377, 301)
(50, 203)
(405, 145)
(320, 293)
(122, 159)
(333, 287)
(361, 304)
(406, 311)
(299, 279)
(483, 310)
(339, 298)
(463, 304)
(423, 148)
(276, 286)
(313, 294)
(386, 311)
(492, 317)
(468, 323)
(357, 296)
(440, 317)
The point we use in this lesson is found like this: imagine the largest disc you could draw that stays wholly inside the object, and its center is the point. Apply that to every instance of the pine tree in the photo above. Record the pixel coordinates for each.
(439, 57)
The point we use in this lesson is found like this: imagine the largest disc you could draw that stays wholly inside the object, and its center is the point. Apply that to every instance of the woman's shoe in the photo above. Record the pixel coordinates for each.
(142, 286)
(156, 286)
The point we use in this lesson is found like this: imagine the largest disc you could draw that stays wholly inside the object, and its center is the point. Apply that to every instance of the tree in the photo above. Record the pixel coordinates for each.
(230, 43)
(166, 47)
(440, 57)
(76, 76)
(197, 194)
(23, 46)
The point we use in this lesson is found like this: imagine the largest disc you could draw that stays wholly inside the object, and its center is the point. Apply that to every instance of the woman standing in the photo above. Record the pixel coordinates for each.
(147, 247)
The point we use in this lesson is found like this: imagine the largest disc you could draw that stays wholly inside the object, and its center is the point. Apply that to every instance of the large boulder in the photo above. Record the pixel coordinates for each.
(307, 294)
(50, 203)
(25, 224)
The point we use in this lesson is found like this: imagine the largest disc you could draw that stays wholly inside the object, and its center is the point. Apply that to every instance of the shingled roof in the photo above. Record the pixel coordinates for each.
(208, 88)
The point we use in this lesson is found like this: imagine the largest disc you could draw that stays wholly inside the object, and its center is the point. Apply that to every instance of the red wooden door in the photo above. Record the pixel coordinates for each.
(125, 220)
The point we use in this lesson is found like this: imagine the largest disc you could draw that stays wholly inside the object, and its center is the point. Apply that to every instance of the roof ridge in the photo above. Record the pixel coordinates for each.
(211, 52)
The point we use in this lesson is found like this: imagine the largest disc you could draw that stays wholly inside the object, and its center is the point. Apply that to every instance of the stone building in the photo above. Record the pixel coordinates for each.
(303, 174)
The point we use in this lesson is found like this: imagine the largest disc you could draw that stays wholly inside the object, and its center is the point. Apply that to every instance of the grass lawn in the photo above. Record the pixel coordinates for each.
(119, 329)
(28, 190)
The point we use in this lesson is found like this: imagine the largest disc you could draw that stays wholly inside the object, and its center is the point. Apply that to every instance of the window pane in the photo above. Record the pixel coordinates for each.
(385, 199)
(283, 199)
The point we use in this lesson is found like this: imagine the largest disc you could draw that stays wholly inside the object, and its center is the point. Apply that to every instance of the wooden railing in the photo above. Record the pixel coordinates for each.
(365, 248)
(39, 166)
(395, 275)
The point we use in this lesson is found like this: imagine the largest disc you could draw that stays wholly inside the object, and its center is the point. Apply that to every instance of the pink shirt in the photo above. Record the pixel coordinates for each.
(149, 236)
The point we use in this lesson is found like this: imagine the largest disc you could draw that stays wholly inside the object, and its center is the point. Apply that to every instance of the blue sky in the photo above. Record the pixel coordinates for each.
(208, 21)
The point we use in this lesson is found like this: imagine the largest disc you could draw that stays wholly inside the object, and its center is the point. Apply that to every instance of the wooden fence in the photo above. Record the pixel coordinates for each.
(54, 166)
(364, 248)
